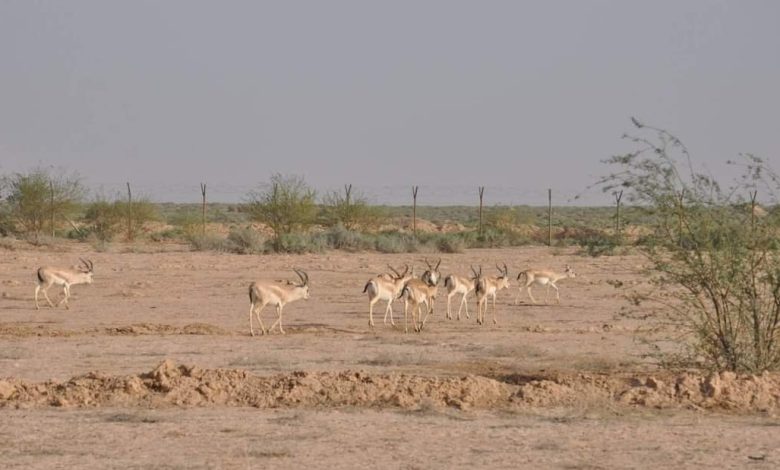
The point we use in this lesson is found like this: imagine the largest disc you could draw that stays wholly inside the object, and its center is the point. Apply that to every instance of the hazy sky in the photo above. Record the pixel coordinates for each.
(517, 96)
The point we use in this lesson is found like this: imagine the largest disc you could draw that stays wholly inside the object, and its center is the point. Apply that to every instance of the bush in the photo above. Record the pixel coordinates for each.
(394, 242)
(713, 259)
(287, 207)
(40, 199)
(596, 243)
(245, 241)
(103, 220)
(351, 211)
(208, 242)
(451, 244)
(298, 243)
(340, 238)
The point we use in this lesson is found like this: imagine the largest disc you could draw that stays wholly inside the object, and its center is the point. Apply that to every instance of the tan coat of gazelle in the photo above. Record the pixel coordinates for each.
(460, 285)
(542, 277)
(48, 276)
(489, 287)
(419, 292)
(262, 293)
(385, 287)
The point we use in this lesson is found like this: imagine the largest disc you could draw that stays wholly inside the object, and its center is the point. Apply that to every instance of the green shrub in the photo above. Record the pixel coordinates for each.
(715, 272)
(245, 241)
(340, 238)
(298, 243)
(208, 242)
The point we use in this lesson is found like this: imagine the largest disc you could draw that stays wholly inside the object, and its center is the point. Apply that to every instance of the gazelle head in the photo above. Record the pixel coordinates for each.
(304, 282)
(476, 275)
(569, 271)
(503, 279)
(87, 269)
(432, 275)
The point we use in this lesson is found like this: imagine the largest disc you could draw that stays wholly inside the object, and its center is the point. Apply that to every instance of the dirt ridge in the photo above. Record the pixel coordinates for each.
(171, 384)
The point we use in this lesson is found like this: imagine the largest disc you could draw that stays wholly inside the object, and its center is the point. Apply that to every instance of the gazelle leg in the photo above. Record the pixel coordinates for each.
(557, 294)
(449, 310)
(278, 320)
(465, 304)
(260, 320)
(46, 295)
(370, 313)
(530, 296)
(37, 288)
(389, 309)
(428, 312)
(251, 312)
(406, 325)
(494, 309)
(66, 291)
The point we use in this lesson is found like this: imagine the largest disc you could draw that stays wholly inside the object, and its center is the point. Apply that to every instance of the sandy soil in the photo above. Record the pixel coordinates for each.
(153, 367)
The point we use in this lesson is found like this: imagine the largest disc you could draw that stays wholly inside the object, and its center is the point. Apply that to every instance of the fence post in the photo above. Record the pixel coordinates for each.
(348, 192)
(681, 198)
(51, 206)
(203, 207)
(129, 213)
(414, 209)
(549, 217)
(618, 197)
(481, 193)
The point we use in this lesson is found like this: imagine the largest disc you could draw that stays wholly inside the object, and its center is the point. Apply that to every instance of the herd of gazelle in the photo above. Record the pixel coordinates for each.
(416, 292)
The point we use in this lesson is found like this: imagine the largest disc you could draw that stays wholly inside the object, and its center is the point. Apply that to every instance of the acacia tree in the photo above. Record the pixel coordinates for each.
(41, 198)
(715, 262)
(351, 210)
(287, 205)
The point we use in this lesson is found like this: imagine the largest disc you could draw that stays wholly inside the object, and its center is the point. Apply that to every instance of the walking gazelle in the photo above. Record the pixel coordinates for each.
(386, 287)
(542, 278)
(262, 293)
(48, 276)
(489, 286)
(460, 285)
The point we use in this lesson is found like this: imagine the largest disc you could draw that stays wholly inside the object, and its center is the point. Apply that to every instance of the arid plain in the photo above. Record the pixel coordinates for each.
(153, 367)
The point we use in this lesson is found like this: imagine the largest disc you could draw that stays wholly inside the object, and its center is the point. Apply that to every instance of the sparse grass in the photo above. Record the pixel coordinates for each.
(7, 243)
(140, 418)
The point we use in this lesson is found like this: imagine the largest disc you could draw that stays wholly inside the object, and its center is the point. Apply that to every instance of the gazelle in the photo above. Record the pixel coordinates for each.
(417, 293)
(543, 278)
(489, 286)
(460, 285)
(262, 293)
(47, 276)
(386, 287)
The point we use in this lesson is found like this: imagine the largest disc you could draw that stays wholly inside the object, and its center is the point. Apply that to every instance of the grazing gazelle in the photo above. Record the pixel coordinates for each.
(543, 278)
(460, 285)
(417, 293)
(62, 277)
(262, 293)
(386, 287)
(489, 286)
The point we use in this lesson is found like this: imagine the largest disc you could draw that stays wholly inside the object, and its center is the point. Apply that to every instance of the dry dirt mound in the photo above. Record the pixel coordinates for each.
(180, 385)
(26, 330)
(171, 384)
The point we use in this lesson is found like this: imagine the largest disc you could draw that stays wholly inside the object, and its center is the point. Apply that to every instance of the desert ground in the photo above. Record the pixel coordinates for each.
(153, 367)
